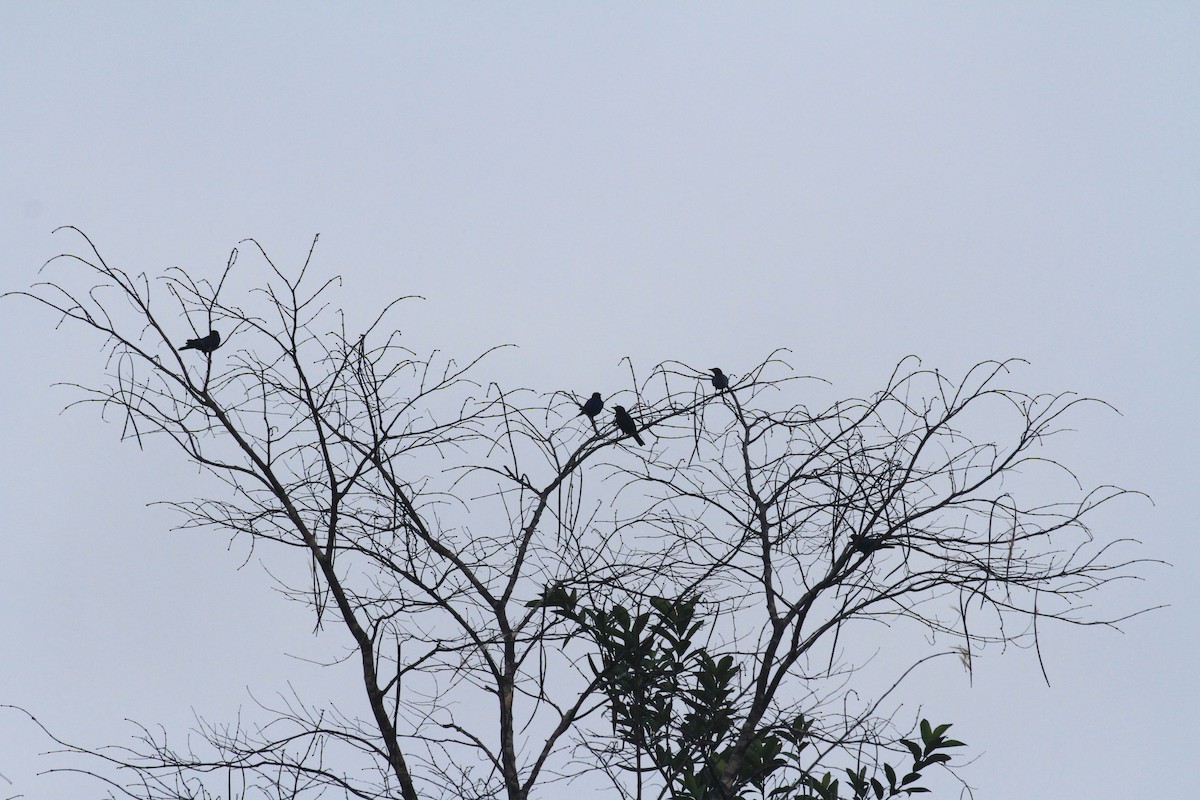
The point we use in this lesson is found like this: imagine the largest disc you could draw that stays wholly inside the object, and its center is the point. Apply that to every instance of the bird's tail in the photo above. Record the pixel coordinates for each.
(637, 438)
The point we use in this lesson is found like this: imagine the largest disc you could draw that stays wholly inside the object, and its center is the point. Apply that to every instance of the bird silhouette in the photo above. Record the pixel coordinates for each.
(868, 544)
(626, 424)
(205, 344)
(720, 380)
(592, 407)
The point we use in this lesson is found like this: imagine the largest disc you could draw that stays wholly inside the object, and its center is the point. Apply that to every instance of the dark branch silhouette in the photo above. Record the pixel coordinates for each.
(437, 512)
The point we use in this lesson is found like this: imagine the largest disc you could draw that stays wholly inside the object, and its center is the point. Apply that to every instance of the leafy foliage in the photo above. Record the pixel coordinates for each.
(675, 704)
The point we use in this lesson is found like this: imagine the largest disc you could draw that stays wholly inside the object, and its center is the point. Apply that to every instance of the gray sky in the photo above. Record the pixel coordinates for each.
(705, 182)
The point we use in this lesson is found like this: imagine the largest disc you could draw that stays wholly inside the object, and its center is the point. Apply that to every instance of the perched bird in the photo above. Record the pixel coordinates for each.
(626, 424)
(205, 344)
(868, 544)
(720, 380)
(592, 406)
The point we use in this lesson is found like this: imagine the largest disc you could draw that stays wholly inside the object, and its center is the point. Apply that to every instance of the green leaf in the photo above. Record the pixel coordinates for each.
(621, 615)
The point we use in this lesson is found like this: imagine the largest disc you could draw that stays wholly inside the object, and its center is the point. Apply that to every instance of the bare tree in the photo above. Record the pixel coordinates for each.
(485, 548)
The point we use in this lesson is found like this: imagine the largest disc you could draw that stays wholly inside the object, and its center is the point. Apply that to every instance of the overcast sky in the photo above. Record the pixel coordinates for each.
(706, 182)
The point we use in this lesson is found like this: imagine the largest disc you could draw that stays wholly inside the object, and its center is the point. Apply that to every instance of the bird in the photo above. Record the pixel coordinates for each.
(592, 406)
(626, 424)
(205, 344)
(868, 544)
(720, 380)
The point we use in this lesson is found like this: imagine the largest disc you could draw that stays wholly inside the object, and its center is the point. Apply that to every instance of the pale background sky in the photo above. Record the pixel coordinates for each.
(706, 182)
